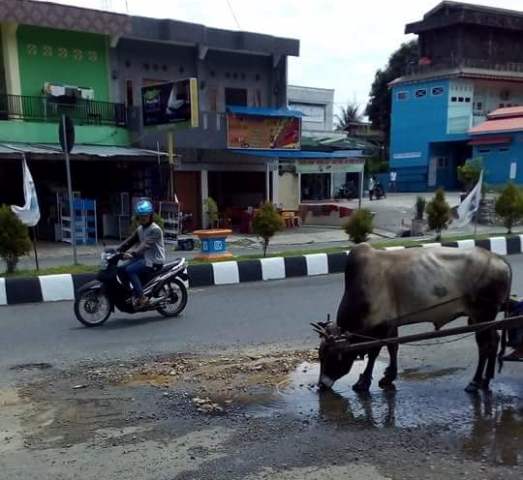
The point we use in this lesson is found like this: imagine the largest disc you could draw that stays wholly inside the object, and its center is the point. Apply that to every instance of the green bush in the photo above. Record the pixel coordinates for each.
(509, 206)
(14, 238)
(421, 203)
(266, 223)
(359, 225)
(211, 211)
(468, 173)
(438, 213)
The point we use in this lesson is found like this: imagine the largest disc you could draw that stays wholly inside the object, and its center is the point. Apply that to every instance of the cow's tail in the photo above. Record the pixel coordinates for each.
(506, 312)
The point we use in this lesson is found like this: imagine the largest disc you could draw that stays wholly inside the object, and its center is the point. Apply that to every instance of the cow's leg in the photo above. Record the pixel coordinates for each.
(492, 350)
(391, 372)
(477, 380)
(365, 380)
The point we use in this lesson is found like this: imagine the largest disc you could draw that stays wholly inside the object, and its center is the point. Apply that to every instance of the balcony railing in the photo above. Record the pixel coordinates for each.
(501, 67)
(49, 109)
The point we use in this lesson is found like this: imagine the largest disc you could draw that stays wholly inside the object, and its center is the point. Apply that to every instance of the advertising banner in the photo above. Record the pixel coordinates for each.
(263, 133)
(172, 103)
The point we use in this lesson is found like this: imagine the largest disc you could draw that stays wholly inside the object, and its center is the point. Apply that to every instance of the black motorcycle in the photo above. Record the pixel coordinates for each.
(165, 289)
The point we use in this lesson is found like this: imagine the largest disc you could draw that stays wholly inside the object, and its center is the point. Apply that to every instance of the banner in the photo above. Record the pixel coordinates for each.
(171, 103)
(29, 214)
(470, 205)
(263, 133)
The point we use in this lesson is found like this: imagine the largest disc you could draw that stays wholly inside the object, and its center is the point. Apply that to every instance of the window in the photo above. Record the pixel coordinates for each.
(467, 99)
(479, 106)
(460, 99)
(484, 150)
(421, 92)
(236, 97)
(437, 91)
(443, 162)
(402, 95)
(503, 149)
(454, 99)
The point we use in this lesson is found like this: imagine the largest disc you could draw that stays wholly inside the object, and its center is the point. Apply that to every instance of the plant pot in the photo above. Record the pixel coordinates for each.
(417, 227)
(213, 243)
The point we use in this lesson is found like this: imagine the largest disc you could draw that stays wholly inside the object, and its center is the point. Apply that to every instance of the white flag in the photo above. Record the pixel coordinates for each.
(29, 214)
(470, 205)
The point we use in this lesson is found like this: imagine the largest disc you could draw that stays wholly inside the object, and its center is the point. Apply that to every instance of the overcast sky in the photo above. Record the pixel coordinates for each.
(342, 42)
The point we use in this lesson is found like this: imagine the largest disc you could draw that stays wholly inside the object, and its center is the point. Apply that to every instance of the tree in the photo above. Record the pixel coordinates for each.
(379, 107)
(14, 238)
(350, 113)
(438, 213)
(359, 225)
(266, 223)
(509, 206)
(211, 211)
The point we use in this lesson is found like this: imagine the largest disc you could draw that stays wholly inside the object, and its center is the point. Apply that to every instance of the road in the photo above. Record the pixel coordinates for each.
(235, 403)
(277, 312)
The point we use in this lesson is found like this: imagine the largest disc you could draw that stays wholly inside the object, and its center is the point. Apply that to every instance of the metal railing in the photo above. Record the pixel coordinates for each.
(49, 109)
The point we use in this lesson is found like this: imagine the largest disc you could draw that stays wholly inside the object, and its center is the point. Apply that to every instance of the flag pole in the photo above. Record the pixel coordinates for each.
(34, 239)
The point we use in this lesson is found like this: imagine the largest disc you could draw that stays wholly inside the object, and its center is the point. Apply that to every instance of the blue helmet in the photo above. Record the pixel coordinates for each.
(144, 207)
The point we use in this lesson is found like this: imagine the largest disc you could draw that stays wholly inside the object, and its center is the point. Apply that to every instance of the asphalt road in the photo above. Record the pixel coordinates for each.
(277, 312)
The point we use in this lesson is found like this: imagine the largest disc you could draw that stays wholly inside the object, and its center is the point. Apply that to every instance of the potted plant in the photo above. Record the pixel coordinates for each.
(438, 213)
(418, 226)
(266, 223)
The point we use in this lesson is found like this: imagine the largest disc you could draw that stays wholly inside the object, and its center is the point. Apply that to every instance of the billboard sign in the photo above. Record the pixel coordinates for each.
(263, 133)
(171, 104)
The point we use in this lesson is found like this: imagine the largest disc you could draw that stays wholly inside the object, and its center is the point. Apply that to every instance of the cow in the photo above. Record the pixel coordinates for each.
(388, 289)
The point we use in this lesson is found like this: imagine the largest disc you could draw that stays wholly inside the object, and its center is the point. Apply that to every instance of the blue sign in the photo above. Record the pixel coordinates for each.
(214, 245)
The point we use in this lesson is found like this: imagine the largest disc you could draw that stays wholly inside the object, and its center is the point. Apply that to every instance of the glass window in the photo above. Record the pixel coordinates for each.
(437, 91)
(454, 99)
(402, 95)
(421, 92)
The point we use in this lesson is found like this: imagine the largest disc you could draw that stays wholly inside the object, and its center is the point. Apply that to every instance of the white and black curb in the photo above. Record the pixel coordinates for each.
(49, 288)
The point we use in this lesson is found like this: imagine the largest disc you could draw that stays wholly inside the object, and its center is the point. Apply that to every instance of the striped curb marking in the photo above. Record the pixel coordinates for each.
(48, 288)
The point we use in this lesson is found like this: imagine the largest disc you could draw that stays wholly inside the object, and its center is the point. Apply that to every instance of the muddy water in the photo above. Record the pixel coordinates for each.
(487, 426)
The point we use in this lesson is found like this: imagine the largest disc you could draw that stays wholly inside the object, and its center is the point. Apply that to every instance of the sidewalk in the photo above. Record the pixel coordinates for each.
(390, 214)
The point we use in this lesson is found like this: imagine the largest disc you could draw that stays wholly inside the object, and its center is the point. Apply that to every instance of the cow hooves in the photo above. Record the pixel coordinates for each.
(485, 385)
(362, 385)
(473, 387)
(387, 384)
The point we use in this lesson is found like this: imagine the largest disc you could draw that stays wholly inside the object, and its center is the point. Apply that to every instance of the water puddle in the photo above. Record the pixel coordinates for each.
(487, 426)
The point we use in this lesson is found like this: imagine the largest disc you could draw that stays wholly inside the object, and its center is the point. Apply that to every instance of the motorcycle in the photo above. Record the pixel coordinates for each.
(165, 289)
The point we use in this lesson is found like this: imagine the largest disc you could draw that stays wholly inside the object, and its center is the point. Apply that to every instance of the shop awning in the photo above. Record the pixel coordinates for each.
(495, 140)
(78, 150)
(265, 112)
(296, 154)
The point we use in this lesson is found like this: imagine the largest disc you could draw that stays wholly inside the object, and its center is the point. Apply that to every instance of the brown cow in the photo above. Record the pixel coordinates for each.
(387, 289)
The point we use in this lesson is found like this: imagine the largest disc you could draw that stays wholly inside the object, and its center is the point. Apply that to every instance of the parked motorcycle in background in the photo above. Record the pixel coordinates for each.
(165, 289)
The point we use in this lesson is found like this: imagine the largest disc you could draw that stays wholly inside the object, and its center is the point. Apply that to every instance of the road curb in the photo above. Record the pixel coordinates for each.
(48, 288)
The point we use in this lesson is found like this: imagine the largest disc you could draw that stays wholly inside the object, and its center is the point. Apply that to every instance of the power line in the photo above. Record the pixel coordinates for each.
(234, 15)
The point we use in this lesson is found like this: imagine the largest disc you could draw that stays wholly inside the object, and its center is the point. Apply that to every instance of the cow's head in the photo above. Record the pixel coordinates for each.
(334, 363)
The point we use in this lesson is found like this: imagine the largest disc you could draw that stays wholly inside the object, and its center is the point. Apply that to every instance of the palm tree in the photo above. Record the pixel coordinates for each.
(350, 113)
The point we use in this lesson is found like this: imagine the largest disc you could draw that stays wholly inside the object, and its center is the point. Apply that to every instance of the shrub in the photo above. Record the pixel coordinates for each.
(421, 203)
(14, 238)
(359, 225)
(438, 213)
(468, 173)
(211, 211)
(266, 223)
(509, 206)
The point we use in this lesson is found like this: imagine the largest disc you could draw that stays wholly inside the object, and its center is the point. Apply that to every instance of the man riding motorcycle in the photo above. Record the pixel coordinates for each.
(148, 255)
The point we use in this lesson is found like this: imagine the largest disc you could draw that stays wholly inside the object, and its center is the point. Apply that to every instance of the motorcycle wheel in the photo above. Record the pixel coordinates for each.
(177, 293)
(92, 308)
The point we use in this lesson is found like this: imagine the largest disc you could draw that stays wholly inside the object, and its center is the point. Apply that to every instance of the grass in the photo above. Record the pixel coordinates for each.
(77, 269)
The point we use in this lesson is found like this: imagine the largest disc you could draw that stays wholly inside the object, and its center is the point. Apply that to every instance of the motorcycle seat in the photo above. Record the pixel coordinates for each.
(167, 266)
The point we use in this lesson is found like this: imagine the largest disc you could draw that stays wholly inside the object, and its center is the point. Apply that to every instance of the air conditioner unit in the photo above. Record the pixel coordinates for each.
(86, 93)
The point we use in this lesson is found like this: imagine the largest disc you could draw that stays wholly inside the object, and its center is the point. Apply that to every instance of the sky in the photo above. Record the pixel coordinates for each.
(342, 42)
